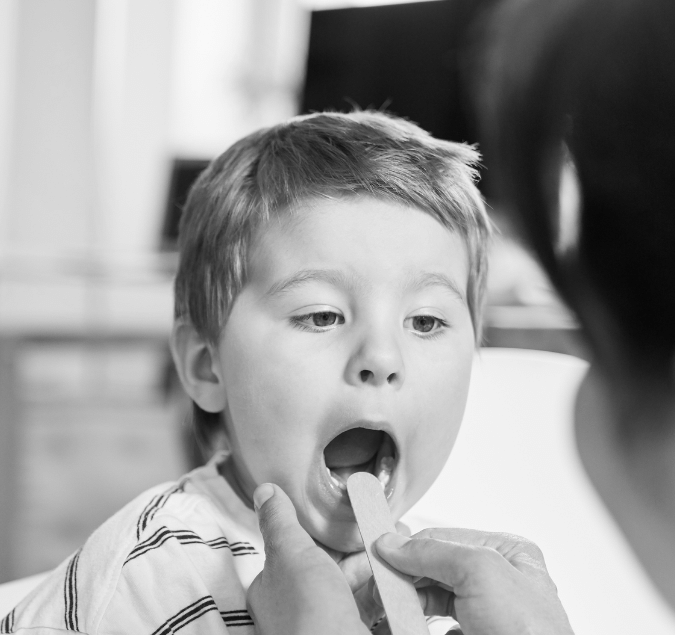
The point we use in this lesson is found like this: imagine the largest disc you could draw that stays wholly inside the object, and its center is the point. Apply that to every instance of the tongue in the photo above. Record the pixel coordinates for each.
(354, 447)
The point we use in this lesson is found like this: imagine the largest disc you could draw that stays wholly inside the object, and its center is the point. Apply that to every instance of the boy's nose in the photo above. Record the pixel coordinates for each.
(377, 362)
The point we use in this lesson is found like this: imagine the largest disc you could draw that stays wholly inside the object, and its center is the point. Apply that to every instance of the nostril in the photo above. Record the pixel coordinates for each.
(365, 375)
(391, 378)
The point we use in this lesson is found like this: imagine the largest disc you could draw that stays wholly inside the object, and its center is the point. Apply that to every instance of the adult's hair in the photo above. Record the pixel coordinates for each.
(269, 172)
(590, 84)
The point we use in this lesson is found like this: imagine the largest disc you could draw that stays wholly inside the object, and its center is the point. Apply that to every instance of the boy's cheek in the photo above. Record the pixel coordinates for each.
(431, 438)
(421, 470)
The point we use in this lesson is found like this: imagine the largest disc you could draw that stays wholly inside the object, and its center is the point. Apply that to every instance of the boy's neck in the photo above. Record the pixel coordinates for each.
(228, 471)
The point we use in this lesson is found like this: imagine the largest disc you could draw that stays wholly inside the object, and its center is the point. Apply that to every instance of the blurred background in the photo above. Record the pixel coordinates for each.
(108, 111)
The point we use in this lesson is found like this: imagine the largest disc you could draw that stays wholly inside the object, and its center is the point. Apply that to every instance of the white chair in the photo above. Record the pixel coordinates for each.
(515, 468)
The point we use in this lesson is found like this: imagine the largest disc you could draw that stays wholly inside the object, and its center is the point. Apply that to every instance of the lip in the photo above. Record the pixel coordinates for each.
(339, 497)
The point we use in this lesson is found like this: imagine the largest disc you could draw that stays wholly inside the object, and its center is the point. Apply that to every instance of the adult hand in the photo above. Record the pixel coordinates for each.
(301, 590)
(357, 572)
(491, 583)
(356, 569)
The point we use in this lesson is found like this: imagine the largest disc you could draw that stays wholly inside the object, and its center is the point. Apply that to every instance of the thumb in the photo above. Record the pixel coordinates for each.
(278, 521)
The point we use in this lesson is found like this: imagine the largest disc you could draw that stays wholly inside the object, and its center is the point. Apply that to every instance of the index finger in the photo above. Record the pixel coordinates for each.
(518, 551)
(447, 562)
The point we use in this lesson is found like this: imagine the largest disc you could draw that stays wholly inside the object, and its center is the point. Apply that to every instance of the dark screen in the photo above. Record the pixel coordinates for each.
(404, 58)
(184, 173)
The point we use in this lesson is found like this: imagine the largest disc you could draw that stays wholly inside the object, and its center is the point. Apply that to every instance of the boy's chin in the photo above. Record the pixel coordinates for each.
(344, 538)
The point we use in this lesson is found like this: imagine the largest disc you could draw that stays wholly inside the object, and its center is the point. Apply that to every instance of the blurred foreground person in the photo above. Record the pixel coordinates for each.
(580, 129)
(578, 123)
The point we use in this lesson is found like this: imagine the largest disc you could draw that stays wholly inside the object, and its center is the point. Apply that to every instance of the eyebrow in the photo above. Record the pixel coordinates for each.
(342, 280)
(330, 276)
(434, 279)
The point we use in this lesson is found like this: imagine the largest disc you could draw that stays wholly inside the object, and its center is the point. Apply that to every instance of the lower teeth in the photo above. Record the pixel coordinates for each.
(386, 467)
(337, 482)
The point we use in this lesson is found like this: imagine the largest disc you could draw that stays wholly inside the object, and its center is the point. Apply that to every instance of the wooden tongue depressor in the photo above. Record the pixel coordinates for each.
(398, 594)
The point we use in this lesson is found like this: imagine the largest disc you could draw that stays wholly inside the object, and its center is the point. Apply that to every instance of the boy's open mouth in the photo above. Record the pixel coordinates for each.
(360, 450)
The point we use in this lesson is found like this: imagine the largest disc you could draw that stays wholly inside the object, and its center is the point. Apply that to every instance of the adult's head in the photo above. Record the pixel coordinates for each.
(579, 127)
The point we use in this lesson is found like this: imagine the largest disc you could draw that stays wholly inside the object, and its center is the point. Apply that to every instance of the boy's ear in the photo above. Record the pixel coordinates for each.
(198, 367)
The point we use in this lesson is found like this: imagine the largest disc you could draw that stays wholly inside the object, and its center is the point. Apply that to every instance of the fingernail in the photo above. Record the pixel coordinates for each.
(262, 494)
(393, 541)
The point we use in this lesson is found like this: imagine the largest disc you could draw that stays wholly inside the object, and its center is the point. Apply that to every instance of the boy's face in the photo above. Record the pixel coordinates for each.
(349, 349)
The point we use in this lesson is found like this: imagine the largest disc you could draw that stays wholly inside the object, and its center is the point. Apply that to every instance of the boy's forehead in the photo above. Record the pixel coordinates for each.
(354, 243)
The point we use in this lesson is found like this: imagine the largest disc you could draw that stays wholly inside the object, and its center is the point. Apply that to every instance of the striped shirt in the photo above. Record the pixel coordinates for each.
(180, 557)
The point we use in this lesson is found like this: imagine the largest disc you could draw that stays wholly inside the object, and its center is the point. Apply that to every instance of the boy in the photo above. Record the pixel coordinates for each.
(327, 306)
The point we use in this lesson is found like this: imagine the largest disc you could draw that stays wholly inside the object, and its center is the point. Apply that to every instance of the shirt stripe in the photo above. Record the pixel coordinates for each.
(237, 618)
(7, 624)
(243, 549)
(155, 504)
(70, 594)
(187, 615)
(186, 537)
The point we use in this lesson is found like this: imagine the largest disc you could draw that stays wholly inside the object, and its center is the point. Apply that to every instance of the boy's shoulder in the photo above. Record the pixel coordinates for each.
(177, 545)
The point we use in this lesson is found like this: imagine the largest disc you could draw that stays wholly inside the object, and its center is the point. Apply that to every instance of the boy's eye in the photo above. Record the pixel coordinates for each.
(325, 318)
(318, 321)
(426, 324)
(423, 323)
